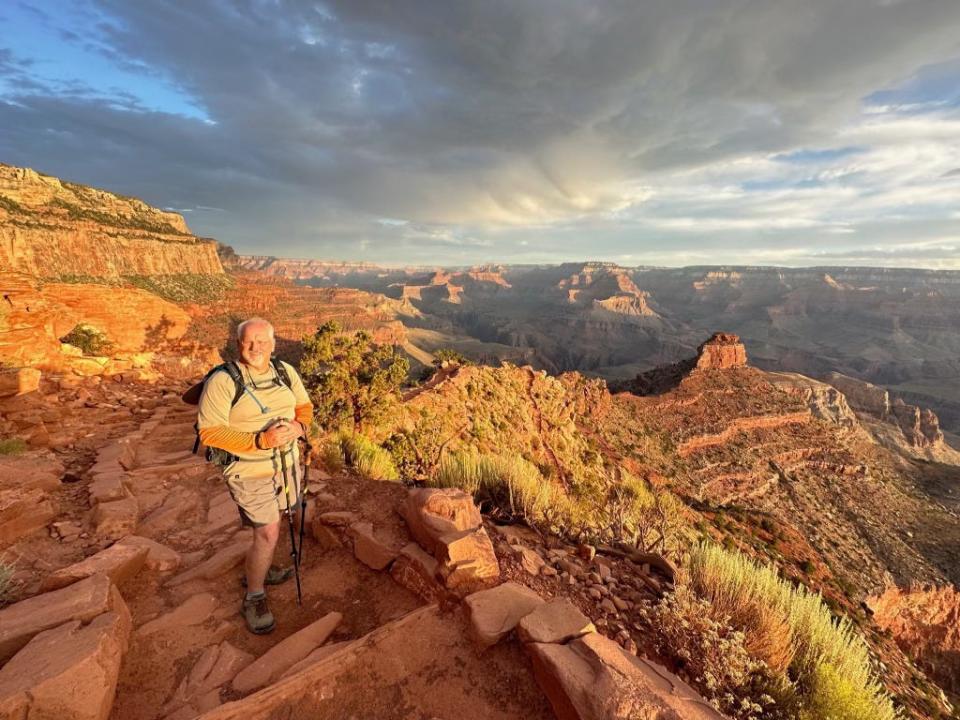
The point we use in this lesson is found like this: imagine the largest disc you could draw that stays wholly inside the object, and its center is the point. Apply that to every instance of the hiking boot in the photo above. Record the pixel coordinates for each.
(258, 616)
(275, 576)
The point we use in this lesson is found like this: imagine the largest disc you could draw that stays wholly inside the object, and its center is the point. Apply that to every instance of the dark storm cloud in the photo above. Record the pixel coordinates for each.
(462, 119)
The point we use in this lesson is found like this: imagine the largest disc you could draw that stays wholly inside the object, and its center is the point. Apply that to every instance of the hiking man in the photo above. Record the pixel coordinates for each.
(264, 422)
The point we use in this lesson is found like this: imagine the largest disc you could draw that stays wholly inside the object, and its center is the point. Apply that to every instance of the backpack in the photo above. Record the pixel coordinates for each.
(192, 397)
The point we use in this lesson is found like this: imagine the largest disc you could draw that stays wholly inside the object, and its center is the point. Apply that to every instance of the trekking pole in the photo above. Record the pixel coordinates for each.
(293, 535)
(303, 496)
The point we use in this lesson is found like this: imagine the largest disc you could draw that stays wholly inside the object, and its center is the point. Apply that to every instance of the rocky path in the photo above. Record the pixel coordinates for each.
(409, 611)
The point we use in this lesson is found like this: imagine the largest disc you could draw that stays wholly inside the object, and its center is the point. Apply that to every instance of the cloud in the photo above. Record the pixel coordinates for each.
(578, 128)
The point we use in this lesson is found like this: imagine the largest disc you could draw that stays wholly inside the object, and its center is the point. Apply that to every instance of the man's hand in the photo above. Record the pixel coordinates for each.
(279, 434)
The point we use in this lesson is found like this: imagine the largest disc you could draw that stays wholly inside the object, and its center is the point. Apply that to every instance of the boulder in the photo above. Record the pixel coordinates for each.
(159, 557)
(23, 511)
(418, 572)
(19, 381)
(194, 611)
(117, 562)
(82, 601)
(557, 621)
(221, 561)
(282, 656)
(117, 518)
(530, 560)
(593, 678)
(432, 512)
(368, 549)
(68, 672)
(467, 561)
(495, 612)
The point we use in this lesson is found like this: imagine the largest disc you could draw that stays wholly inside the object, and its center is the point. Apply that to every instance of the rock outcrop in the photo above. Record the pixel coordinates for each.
(920, 426)
(52, 228)
(925, 622)
(720, 352)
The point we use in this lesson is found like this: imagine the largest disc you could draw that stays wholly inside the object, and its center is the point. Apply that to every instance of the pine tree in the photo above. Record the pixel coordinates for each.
(350, 379)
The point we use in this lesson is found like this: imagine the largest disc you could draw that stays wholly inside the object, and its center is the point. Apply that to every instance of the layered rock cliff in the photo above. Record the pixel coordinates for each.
(50, 228)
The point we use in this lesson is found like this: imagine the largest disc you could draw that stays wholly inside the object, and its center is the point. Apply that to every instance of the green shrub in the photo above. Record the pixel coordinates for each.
(88, 339)
(12, 446)
(829, 661)
(367, 458)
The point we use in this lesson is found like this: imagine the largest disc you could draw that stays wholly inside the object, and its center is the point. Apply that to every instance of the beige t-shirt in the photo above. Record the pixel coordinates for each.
(265, 398)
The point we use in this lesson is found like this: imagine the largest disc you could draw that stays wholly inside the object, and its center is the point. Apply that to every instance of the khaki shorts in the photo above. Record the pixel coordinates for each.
(260, 500)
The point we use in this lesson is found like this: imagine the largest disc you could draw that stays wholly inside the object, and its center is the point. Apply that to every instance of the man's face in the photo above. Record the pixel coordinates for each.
(256, 346)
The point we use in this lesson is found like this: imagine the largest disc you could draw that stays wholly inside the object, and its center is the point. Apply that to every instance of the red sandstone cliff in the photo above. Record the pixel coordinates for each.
(51, 228)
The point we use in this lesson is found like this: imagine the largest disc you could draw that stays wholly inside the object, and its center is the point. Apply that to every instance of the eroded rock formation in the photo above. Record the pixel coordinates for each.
(52, 228)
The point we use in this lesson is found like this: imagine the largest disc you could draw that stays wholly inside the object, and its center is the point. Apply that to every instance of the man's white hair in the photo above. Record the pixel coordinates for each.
(253, 321)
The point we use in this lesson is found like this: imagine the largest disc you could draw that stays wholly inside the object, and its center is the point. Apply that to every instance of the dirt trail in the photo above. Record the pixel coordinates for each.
(186, 510)
(404, 659)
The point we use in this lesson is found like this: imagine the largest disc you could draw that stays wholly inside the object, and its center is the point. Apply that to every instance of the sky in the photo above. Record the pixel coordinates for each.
(643, 132)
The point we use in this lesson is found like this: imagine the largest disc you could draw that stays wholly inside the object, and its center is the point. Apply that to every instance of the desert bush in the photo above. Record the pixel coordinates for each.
(640, 516)
(6, 581)
(827, 659)
(12, 446)
(713, 655)
(366, 457)
(88, 339)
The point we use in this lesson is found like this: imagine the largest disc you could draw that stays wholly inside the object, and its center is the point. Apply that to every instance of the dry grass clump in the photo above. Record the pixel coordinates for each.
(507, 481)
(641, 516)
(790, 629)
(6, 581)
(363, 455)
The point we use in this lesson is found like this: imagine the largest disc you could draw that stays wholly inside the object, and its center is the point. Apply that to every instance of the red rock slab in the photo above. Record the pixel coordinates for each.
(108, 486)
(67, 672)
(433, 512)
(418, 572)
(40, 470)
(117, 562)
(217, 666)
(23, 512)
(368, 548)
(160, 558)
(117, 518)
(316, 656)
(271, 665)
(195, 610)
(467, 561)
(495, 612)
(82, 601)
(557, 621)
(342, 518)
(593, 678)
(221, 561)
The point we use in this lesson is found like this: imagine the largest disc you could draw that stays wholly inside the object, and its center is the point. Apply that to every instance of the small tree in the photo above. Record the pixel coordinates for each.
(350, 379)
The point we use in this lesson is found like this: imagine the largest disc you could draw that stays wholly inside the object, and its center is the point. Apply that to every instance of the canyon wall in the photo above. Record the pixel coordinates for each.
(50, 228)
